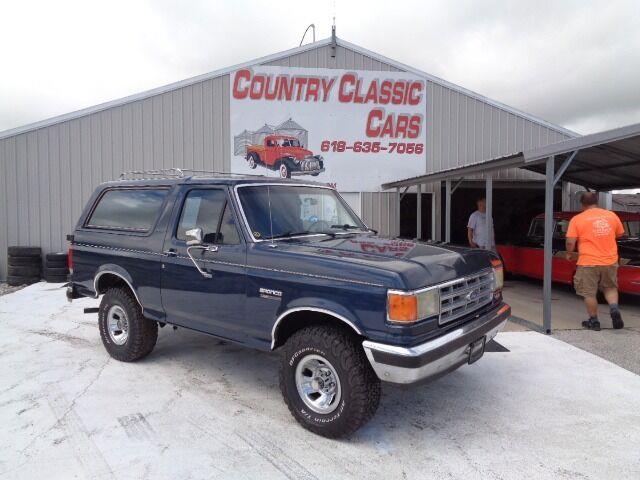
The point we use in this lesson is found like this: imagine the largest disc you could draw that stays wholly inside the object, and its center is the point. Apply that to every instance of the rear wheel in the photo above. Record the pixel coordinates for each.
(126, 334)
(327, 382)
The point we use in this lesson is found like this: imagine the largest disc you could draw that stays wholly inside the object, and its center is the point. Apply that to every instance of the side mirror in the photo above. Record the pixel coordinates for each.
(195, 236)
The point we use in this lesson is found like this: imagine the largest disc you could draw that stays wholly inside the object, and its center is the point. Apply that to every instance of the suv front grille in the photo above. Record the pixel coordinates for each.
(465, 295)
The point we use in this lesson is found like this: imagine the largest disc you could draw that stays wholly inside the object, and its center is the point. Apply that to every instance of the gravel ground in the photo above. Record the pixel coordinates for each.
(621, 347)
(6, 288)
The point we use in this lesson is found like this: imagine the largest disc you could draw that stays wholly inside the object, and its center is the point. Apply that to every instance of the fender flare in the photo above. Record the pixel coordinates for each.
(327, 311)
(118, 271)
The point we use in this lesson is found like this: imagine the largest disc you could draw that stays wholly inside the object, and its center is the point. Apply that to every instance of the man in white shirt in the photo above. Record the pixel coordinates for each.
(477, 228)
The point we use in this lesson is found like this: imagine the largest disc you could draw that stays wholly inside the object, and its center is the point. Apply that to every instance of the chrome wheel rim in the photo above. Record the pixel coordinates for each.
(318, 384)
(283, 171)
(252, 163)
(117, 325)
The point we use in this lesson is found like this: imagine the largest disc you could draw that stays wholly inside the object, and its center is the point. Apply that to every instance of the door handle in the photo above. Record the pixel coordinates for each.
(171, 252)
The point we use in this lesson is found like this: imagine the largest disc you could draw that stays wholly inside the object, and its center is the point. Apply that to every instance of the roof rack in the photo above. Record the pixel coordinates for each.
(175, 172)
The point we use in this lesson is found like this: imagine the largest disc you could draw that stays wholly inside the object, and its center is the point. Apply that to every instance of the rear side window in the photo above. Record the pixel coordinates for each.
(128, 209)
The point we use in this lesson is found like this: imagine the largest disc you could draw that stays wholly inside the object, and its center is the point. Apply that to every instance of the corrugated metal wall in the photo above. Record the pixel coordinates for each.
(47, 175)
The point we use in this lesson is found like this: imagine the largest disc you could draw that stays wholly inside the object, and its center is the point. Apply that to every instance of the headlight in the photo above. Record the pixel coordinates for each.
(409, 307)
(498, 274)
(295, 160)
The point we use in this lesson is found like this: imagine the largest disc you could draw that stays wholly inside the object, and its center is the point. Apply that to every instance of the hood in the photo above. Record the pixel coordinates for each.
(298, 152)
(419, 264)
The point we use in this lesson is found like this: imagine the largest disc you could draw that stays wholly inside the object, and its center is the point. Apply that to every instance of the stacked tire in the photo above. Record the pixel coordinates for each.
(25, 265)
(55, 267)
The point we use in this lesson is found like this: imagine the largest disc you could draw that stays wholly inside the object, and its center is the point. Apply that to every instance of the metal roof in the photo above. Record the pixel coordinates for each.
(270, 58)
(607, 160)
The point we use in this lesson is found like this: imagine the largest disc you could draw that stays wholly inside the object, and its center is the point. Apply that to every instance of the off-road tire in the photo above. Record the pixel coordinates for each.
(142, 332)
(16, 281)
(24, 251)
(17, 260)
(24, 270)
(359, 384)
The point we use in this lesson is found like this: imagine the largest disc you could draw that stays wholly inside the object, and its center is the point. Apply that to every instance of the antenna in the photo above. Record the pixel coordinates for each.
(313, 27)
(334, 42)
(272, 245)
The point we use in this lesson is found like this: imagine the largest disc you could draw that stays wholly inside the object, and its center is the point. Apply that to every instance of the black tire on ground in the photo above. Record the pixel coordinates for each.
(24, 251)
(141, 333)
(359, 385)
(16, 260)
(57, 257)
(15, 281)
(56, 271)
(49, 266)
(55, 278)
(24, 271)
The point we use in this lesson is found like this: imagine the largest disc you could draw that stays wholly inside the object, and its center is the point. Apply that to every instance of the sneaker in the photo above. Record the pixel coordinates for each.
(616, 319)
(591, 325)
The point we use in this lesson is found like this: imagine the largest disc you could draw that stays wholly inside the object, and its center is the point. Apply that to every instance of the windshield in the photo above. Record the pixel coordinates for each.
(295, 210)
(290, 142)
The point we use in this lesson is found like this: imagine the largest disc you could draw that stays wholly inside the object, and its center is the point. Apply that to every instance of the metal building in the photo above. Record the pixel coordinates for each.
(48, 169)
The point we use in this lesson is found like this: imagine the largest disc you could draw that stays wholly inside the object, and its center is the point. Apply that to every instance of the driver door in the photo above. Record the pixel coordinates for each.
(213, 303)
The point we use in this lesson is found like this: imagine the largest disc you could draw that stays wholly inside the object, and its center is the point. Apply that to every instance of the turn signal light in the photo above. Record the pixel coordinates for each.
(402, 308)
(498, 274)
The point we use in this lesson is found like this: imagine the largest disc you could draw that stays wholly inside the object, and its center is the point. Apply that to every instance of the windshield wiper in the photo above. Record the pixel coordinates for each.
(346, 226)
(291, 234)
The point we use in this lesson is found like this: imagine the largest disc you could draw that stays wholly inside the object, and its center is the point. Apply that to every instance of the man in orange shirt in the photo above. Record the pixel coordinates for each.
(595, 230)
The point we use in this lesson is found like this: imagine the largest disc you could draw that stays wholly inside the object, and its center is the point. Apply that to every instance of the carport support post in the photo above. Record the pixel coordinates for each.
(447, 218)
(419, 212)
(489, 204)
(548, 253)
(399, 198)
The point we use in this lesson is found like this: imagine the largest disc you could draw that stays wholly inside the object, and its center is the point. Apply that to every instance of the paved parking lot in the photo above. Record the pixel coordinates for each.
(197, 408)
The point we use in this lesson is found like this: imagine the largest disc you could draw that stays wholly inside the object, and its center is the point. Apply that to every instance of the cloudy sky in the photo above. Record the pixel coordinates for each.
(575, 63)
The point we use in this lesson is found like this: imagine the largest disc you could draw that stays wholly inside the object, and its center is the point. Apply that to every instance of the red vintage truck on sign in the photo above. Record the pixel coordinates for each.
(525, 257)
(284, 154)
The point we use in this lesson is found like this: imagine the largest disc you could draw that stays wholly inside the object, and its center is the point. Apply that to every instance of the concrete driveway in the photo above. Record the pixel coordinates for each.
(196, 408)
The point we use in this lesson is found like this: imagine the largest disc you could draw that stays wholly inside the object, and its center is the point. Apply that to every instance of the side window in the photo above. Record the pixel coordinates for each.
(561, 229)
(128, 209)
(208, 210)
(228, 232)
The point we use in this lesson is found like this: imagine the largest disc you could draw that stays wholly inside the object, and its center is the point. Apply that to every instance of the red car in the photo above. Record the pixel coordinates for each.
(284, 154)
(525, 257)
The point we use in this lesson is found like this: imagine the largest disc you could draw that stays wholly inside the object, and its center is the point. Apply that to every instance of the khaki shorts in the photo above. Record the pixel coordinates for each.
(588, 280)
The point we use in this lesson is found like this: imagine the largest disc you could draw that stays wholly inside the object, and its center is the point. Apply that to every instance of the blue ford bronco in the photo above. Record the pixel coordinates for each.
(282, 265)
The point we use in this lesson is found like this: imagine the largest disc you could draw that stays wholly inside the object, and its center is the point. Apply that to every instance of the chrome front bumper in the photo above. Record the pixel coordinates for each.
(436, 357)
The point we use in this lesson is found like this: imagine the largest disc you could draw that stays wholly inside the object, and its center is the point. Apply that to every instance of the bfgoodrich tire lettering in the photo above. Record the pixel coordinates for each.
(359, 385)
(141, 333)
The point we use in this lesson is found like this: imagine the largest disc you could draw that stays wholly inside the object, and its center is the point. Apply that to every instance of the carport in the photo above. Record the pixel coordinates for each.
(603, 161)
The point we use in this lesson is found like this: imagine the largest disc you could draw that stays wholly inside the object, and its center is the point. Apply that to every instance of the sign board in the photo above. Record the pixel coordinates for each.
(353, 129)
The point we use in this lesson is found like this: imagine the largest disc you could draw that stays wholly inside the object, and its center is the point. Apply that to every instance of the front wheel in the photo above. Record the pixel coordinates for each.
(253, 161)
(327, 382)
(126, 334)
(284, 170)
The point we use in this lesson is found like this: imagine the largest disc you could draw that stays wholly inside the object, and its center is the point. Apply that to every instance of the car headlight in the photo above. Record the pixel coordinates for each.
(410, 307)
(295, 160)
(498, 274)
